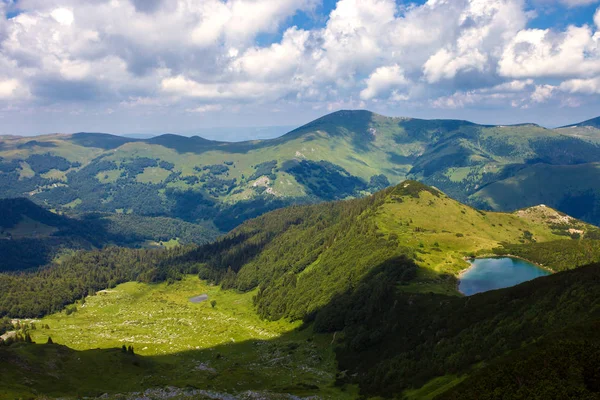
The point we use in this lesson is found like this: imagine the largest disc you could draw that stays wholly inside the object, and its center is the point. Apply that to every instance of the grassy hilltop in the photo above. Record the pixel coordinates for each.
(342, 155)
(312, 300)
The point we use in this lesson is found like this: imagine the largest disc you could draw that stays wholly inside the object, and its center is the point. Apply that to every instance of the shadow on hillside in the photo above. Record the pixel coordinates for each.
(301, 362)
(391, 342)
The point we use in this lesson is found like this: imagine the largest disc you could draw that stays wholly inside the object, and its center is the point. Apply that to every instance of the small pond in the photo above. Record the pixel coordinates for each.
(497, 273)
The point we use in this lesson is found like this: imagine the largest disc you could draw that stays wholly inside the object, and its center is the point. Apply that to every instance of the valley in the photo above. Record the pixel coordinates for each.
(308, 301)
(343, 155)
(179, 343)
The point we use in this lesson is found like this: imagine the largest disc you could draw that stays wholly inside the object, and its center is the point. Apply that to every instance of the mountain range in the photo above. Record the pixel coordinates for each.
(343, 155)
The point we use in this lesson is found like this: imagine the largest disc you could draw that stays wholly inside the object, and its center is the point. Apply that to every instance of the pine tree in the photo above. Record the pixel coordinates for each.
(49, 340)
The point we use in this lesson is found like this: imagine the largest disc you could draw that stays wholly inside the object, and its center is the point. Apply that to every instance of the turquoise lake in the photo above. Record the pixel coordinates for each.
(497, 273)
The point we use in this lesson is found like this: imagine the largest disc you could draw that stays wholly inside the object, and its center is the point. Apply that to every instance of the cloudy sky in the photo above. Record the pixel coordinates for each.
(148, 66)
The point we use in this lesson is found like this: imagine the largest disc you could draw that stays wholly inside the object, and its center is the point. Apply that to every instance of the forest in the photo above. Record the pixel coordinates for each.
(329, 266)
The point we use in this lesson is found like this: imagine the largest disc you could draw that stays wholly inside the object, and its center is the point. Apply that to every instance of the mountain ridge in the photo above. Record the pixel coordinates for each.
(348, 153)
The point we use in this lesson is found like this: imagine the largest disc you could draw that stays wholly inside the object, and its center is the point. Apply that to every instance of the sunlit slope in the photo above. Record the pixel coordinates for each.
(342, 155)
(221, 347)
(301, 258)
(373, 279)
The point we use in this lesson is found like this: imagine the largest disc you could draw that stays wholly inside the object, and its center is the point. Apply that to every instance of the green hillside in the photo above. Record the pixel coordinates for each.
(310, 300)
(31, 236)
(571, 189)
(343, 155)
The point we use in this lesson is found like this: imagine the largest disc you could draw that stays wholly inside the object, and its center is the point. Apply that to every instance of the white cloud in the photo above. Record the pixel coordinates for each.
(542, 93)
(280, 59)
(244, 90)
(8, 88)
(63, 16)
(542, 53)
(583, 86)
(206, 108)
(179, 53)
(383, 79)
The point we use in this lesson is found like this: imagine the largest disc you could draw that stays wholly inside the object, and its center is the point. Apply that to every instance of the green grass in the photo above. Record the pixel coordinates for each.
(445, 231)
(153, 175)
(226, 348)
(160, 319)
(434, 387)
(108, 176)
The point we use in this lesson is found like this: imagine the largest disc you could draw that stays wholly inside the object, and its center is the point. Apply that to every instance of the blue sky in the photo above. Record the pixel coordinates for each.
(152, 66)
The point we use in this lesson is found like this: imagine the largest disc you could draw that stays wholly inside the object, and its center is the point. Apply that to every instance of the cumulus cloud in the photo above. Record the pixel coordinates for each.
(383, 79)
(543, 53)
(206, 108)
(197, 55)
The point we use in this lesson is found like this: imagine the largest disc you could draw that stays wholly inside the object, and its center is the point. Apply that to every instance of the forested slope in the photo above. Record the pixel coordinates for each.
(377, 275)
(349, 153)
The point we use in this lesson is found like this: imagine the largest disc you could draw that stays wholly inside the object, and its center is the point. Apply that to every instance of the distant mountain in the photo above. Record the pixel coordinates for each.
(341, 155)
(593, 123)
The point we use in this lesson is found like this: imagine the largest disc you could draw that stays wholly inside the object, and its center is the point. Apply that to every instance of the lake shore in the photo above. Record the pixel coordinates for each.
(493, 255)
(471, 260)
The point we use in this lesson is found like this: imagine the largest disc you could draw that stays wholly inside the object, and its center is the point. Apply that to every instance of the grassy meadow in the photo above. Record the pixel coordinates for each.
(223, 348)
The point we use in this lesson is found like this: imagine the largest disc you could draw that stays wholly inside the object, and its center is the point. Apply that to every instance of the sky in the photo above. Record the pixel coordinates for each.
(182, 66)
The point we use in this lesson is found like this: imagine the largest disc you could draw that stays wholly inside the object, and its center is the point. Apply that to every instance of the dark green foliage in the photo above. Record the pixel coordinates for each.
(217, 186)
(5, 325)
(42, 163)
(9, 166)
(23, 254)
(565, 366)
(34, 294)
(564, 151)
(375, 291)
(13, 211)
(132, 229)
(582, 205)
(264, 169)
(273, 252)
(100, 140)
(166, 165)
(418, 337)
(216, 169)
(34, 143)
(325, 180)
(137, 165)
(86, 232)
(560, 254)
(412, 189)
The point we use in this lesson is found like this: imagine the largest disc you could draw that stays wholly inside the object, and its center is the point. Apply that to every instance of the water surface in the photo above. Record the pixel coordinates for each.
(497, 273)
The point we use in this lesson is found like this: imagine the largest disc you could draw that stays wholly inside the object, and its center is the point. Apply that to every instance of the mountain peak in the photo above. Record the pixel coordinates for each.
(593, 123)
